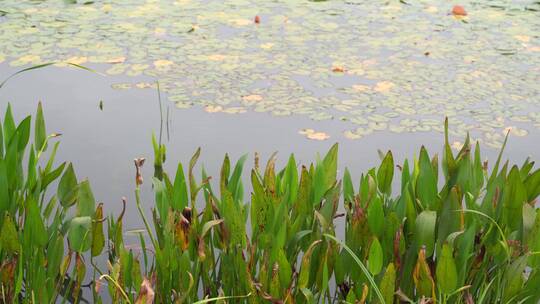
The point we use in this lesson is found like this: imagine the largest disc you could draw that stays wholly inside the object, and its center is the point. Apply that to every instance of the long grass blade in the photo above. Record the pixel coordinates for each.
(362, 266)
(44, 65)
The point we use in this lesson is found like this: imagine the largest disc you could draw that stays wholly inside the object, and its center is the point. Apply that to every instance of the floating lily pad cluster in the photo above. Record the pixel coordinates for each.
(377, 66)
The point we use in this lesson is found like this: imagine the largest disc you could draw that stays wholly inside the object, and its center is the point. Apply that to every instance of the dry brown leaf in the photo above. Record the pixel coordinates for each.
(97, 286)
(146, 293)
(338, 69)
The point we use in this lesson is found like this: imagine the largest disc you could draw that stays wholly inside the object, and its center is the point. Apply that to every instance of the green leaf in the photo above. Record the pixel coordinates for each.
(55, 252)
(514, 278)
(375, 259)
(448, 163)
(375, 216)
(451, 215)
(308, 295)
(330, 166)
(34, 225)
(180, 192)
(40, 134)
(532, 184)
(235, 181)
(193, 189)
(285, 270)
(225, 170)
(348, 188)
(319, 184)
(290, 180)
(514, 196)
(4, 187)
(388, 284)
(1, 140)
(533, 242)
(9, 125)
(365, 271)
(426, 183)
(234, 219)
(446, 271)
(208, 225)
(9, 239)
(385, 174)
(85, 200)
(425, 231)
(98, 238)
(79, 233)
(48, 178)
(303, 277)
(23, 132)
(68, 187)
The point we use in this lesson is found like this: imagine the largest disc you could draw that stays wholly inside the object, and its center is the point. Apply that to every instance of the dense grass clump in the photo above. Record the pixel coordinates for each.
(453, 231)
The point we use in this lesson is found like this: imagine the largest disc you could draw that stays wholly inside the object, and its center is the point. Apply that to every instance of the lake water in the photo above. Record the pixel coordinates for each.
(368, 74)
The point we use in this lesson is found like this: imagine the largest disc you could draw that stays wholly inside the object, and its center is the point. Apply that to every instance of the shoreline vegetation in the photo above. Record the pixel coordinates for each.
(453, 229)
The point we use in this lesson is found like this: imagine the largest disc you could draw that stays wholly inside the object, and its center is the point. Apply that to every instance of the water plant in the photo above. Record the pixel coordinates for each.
(43, 235)
(451, 230)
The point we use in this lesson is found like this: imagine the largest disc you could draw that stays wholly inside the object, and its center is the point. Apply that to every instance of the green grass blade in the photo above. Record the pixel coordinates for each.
(43, 65)
(362, 266)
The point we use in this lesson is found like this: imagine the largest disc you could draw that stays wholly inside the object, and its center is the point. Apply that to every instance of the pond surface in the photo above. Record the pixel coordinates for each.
(367, 74)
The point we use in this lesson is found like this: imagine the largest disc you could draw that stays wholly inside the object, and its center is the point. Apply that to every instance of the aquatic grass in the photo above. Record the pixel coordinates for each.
(44, 65)
(449, 231)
